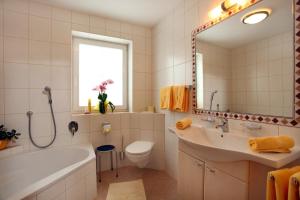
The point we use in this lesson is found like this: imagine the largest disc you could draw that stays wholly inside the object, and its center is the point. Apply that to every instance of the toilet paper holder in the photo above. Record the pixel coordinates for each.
(106, 127)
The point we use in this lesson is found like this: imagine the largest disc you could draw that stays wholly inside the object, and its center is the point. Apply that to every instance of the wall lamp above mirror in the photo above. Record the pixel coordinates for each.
(246, 62)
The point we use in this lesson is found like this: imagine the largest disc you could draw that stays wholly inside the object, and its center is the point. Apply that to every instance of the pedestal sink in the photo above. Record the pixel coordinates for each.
(214, 145)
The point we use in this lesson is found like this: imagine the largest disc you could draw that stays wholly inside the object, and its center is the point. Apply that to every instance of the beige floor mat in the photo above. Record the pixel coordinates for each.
(131, 190)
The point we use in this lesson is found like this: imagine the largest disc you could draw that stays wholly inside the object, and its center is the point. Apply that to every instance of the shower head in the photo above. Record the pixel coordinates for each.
(47, 91)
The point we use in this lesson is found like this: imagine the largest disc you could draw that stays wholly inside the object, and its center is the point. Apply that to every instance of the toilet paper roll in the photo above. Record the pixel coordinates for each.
(106, 128)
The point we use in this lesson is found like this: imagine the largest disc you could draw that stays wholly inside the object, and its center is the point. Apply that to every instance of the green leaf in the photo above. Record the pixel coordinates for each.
(100, 97)
(104, 97)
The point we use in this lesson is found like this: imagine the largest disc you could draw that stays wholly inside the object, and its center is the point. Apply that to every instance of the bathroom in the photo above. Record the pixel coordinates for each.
(109, 130)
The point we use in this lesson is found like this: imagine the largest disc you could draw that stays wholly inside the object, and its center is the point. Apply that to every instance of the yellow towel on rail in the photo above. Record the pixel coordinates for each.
(183, 123)
(294, 192)
(280, 144)
(166, 98)
(180, 98)
(277, 188)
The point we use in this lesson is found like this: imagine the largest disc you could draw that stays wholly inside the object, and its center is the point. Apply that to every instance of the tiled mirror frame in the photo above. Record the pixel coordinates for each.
(283, 121)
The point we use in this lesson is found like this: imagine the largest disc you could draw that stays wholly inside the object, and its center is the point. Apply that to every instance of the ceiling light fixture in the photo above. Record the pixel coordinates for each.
(226, 6)
(256, 16)
(229, 4)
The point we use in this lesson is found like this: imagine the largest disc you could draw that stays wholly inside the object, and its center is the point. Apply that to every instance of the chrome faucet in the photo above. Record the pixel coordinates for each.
(224, 125)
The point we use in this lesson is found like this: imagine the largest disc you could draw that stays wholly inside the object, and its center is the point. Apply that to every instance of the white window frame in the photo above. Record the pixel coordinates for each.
(82, 40)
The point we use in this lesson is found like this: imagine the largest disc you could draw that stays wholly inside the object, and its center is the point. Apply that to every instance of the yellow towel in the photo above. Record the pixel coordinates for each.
(166, 98)
(180, 98)
(277, 188)
(280, 144)
(294, 188)
(183, 123)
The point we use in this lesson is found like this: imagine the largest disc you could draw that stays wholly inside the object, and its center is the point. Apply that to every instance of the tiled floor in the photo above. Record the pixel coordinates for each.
(158, 185)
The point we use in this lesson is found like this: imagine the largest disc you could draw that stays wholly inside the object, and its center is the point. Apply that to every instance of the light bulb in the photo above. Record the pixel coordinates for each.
(215, 13)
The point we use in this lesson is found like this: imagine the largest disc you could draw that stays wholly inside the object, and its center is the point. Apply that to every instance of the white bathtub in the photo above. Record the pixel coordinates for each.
(59, 173)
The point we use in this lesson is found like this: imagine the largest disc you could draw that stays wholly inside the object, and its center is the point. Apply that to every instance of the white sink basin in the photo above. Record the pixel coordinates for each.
(215, 145)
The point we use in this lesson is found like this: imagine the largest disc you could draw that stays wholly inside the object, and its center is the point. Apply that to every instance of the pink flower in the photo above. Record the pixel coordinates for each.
(102, 88)
(109, 81)
(97, 88)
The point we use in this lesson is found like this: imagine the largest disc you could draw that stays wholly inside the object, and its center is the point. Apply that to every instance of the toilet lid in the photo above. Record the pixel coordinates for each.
(139, 147)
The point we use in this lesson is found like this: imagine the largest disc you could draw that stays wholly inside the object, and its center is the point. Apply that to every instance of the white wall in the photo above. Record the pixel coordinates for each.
(172, 64)
(35, 51)
(172, 60)
(216, 75)
(262, 76)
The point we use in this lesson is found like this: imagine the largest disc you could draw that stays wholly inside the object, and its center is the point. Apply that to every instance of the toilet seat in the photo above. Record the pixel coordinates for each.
(139, 147)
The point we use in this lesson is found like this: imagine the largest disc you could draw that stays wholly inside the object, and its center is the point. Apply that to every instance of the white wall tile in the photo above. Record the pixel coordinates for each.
(39, 9)
(61, 100)
(147, 121)
(53, 191)
(39, 53)
(38, 101)
(16, 75)
(61, 55)
(15, 50)
(61, 14)
(61, 78)
(97, 22)
(17, 5)
(39, 28)
(40, 76)
(61, 32)
(16, 101)
(79, 18)
(1, 102)
(15, 24)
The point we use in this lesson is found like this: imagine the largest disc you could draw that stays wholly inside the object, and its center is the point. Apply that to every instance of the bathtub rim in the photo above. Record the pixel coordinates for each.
(55, 177)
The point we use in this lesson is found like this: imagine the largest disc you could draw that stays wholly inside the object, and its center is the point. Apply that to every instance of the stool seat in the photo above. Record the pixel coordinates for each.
(106, 148)
(103, 149)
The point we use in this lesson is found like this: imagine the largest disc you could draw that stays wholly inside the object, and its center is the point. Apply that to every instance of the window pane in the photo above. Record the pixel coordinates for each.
(97, 64)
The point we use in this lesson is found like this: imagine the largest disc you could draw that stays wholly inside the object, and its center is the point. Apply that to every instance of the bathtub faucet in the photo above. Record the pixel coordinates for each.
(73, 127)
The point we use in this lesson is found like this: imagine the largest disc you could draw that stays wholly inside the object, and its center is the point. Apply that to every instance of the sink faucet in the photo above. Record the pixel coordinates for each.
(224, 125)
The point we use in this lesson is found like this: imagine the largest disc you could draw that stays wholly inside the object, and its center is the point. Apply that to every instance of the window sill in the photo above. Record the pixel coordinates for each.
(95, 113)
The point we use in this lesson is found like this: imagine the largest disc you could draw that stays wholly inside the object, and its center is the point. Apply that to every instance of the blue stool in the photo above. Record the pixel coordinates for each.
(106, 149)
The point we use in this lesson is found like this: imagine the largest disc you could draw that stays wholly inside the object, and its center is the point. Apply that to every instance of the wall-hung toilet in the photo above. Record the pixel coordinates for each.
(139, 152)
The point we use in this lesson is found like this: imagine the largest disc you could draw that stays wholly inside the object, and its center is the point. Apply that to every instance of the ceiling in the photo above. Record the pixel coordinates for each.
(143, 12)
(232, 33)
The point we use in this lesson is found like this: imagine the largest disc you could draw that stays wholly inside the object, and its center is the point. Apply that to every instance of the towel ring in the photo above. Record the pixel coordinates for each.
(295, 181)
(271, 177)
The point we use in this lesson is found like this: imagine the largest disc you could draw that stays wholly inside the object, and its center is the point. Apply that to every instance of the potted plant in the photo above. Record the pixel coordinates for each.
(7, 136)
(102, 96)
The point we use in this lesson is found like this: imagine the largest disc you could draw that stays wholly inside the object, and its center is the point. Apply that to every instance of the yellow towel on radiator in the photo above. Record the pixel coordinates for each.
(180, 98)
(277, 188)
(183, 123)
(166, 98)
(294, 192)
(279, 144)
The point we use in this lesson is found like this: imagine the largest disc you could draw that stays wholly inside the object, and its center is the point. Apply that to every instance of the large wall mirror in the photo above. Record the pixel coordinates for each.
(246, 70)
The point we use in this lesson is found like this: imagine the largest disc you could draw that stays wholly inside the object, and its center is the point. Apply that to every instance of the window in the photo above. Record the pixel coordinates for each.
(94, 62)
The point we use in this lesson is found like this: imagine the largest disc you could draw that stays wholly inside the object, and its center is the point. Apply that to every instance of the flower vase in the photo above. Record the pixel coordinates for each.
(102, 107)
(3, 144)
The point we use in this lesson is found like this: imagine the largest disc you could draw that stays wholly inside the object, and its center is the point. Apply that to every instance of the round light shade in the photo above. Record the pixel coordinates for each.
(256, 16)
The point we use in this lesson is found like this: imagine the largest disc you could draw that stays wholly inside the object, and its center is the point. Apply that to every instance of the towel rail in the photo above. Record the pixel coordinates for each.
(295, 181)
(271, 177)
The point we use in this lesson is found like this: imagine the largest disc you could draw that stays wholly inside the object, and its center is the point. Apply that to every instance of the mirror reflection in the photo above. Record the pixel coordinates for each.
(245, 64)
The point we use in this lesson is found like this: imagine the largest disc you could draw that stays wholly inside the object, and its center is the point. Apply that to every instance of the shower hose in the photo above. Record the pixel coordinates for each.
(29, 114)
